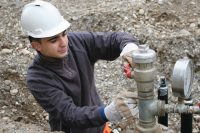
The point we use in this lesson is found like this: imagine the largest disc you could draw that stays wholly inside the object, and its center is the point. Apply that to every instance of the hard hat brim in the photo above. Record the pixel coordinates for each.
(54, 31)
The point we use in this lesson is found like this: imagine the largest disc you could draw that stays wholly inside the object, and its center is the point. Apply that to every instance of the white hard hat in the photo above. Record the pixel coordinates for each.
(41, 19)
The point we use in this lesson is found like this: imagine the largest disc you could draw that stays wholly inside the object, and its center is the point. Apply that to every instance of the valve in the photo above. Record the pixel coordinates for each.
(150, 107)
(127, 70)
(198, 104)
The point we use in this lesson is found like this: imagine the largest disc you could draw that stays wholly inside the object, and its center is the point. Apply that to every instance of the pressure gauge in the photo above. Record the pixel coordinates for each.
(182, 78)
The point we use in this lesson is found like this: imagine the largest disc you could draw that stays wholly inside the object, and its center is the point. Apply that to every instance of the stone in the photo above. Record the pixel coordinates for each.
(14, 92)
(6, 51)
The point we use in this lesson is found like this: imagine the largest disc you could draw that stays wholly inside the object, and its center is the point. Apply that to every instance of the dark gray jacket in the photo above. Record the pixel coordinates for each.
(65, 88)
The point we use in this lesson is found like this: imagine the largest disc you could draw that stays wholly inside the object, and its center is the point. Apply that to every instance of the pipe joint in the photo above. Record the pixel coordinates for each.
(157, 108)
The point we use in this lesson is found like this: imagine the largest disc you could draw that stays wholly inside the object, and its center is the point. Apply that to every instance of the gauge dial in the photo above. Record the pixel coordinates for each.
(182, 78)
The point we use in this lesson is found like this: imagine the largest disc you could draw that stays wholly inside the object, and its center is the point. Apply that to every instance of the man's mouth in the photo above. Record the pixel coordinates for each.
(63, 50)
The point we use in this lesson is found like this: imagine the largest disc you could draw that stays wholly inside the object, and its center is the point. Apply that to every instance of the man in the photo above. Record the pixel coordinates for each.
(61, 77)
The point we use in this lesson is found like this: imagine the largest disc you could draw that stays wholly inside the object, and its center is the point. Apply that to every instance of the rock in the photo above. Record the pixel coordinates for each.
(14, 110)
(115, 131)
(2, 111)
(184, 32)
(134, 15)
(192, 25)
(195, 131)
(160, 2)
(14, 92)
(6, 51)
(74, 18)
(7, 82)
(47, 117)
(141, 11)
(197, 118)
(25, 52)
(17, 103)
(6, 118)
(34, 113)
(20, 46)
(7, 88)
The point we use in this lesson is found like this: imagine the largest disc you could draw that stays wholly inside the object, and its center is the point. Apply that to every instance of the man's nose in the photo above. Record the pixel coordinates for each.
(63, 40)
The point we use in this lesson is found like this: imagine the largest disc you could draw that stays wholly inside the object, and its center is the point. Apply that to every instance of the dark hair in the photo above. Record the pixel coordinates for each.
(31, 39)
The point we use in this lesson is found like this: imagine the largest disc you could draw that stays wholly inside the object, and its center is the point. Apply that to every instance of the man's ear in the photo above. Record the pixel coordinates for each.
(36, 45)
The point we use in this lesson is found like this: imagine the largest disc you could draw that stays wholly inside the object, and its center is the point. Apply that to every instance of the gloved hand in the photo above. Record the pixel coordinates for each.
(127, 59)
(124, 106)
(126, 52)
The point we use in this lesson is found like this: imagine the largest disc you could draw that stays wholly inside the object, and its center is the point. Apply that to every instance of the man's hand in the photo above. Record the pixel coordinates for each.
(124, 106)
(126, 55)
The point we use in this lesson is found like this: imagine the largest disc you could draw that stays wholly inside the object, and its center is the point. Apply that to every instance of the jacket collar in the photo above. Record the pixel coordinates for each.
(51, 61)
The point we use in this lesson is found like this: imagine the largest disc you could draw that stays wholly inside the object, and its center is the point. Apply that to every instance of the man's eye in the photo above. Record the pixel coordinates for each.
(64, 33)
(53, 40)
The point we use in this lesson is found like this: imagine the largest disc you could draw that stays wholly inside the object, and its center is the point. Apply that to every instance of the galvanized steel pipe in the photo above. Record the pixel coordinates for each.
(149, 107)
(181, 108)
(144, 74)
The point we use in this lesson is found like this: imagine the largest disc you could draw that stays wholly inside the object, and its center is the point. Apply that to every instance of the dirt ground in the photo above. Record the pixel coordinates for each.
(170, 27)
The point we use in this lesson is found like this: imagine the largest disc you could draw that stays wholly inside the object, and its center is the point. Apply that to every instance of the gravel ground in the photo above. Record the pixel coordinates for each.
(170, 27)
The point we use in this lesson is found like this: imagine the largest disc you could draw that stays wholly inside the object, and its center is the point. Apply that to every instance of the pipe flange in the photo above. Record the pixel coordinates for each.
(144, 55)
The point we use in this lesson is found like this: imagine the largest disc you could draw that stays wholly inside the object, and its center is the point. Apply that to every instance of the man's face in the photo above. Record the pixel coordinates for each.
(55, 46)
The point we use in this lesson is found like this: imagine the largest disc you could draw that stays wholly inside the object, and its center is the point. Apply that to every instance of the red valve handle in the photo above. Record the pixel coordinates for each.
(127, 70)
(198, 104)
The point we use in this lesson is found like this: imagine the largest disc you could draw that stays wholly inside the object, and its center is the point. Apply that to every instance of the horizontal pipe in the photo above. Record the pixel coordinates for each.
(181, 108)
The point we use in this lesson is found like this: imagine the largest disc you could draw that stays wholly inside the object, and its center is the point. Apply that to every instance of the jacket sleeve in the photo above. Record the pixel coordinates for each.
(60, 105)
(103, 45)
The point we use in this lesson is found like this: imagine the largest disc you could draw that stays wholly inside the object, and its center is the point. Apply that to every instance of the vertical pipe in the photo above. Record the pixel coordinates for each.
(163, 95)
(144, 74)
(186, 119)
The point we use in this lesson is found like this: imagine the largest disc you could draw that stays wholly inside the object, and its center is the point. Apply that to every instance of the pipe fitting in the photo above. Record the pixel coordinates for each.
(157, 108)
(144, 55)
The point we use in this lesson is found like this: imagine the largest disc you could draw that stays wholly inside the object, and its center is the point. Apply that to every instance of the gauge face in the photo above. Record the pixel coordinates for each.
(182, 78)
(188, 81)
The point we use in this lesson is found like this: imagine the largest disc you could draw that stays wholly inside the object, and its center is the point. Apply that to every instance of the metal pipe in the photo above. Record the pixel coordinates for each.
(163, 95)
(181, 108)
(144, 74)
(186, 119)
(149, 107)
